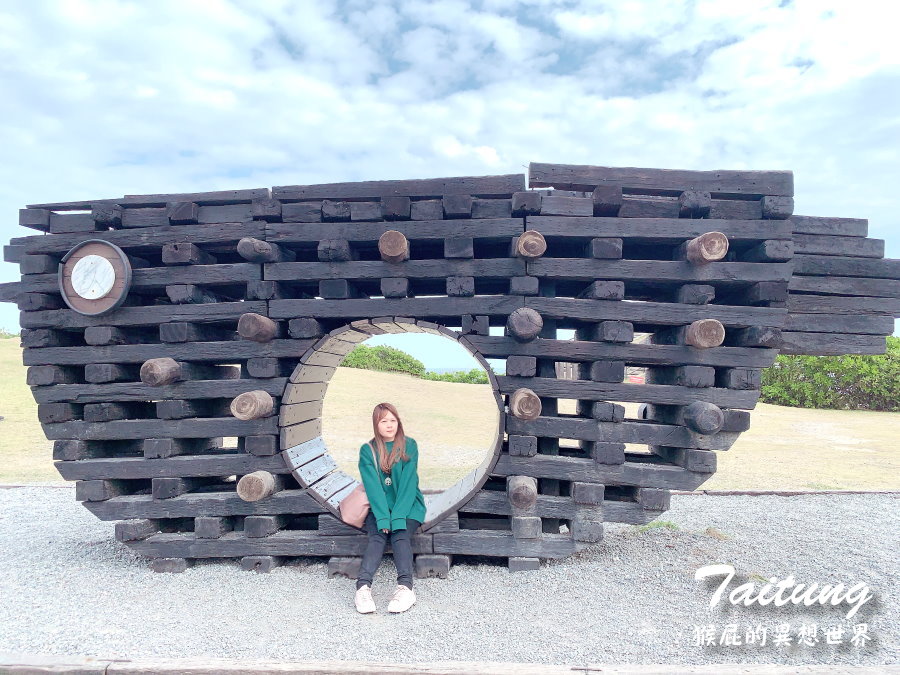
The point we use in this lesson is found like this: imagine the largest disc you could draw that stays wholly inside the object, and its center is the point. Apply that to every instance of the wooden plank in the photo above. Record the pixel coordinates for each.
(478, 186)
(160, 277)
(312, 471)
(659, 230)
(832, 265)
(221, 504)
(845, 227)
(143, 316)
(491, 208)
(232, 213)
(831, 344)
(550, 506)
(170, 467)
(640, 393)
(145, 218)
(202, 352)
(502, 544)
(376, 269)
(661, 181)
(839, 323)
(331, 484)
(420, 230)
(281, 543)
(215, 198)
(192, 428)
(150, 239)
(298, 455)
(648, 207)
(10, 291)
(300, 393)
(816, 244)
(61, 223)
(645, 433)
(13, 253)
(833, 285)
(648, 474)
(837, 304)
(679, 271)
(35, 219)
(555, 205)
(498, 305)
(663, 313)
(138, 391)
(735, 209)
(300, 433)
(299, 412)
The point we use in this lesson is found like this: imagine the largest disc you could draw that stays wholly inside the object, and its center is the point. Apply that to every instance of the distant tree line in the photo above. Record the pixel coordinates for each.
(390, 359)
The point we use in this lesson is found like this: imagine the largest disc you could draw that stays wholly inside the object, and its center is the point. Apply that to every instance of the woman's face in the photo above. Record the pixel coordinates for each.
(387, 426)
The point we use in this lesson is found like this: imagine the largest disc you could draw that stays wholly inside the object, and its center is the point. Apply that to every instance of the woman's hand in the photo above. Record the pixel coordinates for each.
(385, 530)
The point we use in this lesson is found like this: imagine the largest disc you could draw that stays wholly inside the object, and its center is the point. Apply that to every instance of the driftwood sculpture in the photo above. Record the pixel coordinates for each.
(156, 325)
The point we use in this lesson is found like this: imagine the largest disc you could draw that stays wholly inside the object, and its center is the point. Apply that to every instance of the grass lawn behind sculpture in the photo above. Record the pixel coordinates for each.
(785, 448)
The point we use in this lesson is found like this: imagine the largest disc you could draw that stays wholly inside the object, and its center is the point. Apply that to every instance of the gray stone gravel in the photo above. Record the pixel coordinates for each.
(68, 588)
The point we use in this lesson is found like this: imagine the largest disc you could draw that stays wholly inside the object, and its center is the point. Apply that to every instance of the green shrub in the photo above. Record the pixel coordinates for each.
(474, 376)
(850, 382)
(395, 360)
(383, 358)
(5, 334)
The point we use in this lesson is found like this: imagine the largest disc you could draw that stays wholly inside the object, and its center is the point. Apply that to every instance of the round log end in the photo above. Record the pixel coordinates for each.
(704, 417)
(157, 372)
(525, 404)
(705, 333)
(393, 246)
(252, 405)
(255, 486)
(253, 249)
(522, 491)
(531, 244)
(524, 324)
(256, 327)
(708, 247)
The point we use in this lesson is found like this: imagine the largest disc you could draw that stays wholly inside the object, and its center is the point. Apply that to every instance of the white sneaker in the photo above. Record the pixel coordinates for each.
(403, 599)
(364, 602)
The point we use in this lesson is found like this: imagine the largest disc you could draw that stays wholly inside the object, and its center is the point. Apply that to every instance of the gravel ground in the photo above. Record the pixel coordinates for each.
(68, 588)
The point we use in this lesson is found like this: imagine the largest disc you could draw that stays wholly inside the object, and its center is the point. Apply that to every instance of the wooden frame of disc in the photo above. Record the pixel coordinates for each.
(116, 295)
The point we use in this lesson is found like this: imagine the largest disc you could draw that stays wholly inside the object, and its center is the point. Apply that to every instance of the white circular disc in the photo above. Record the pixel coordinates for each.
(93, 277)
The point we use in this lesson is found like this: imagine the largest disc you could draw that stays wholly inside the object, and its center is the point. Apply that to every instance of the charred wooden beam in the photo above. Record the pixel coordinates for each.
(694, 204)
(186, 253)
(526, 204)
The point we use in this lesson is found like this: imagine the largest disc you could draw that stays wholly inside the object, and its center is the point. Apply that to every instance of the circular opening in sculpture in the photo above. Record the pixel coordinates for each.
(457, 425)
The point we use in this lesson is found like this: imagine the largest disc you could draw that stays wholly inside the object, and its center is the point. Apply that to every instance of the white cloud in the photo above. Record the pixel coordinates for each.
(105, 98)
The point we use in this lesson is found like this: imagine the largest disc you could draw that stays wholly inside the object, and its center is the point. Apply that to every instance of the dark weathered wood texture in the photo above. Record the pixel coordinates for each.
(193, 413)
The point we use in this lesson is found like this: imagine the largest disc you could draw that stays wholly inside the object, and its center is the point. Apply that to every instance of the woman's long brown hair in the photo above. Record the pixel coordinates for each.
(398, 452)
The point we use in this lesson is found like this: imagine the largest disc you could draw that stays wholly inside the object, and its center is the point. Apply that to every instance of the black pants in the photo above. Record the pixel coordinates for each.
(401, 545)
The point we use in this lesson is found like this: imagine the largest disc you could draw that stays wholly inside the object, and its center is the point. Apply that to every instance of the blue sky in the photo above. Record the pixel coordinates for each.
(110, 97)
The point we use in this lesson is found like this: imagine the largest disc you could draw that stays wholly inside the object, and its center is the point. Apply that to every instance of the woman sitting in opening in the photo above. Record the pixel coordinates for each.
(388, 465)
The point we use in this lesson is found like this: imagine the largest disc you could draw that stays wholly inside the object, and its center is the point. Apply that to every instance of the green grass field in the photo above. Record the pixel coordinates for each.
(454, 424)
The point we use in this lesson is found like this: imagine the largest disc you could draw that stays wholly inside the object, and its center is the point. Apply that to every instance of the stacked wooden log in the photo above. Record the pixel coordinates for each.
(192, 413)
(843, 295)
